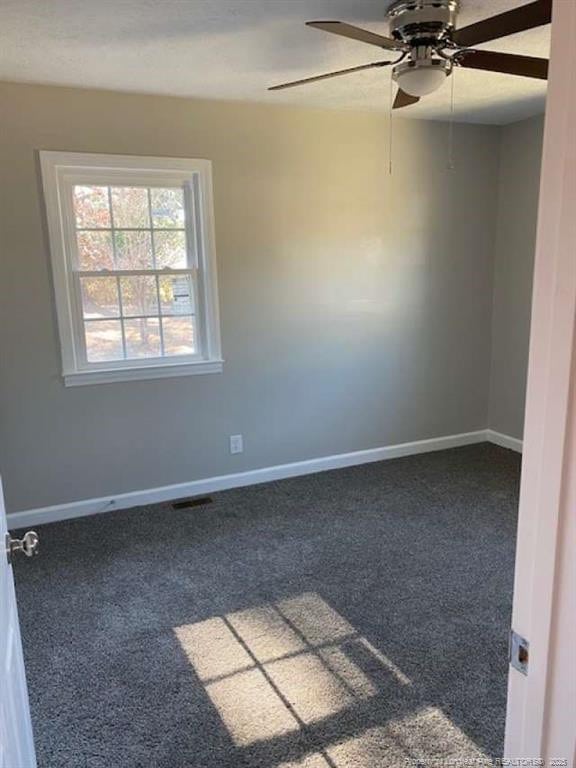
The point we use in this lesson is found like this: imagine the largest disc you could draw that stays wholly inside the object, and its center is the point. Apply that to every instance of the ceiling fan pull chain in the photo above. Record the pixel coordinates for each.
(390, 113)
(451, 165)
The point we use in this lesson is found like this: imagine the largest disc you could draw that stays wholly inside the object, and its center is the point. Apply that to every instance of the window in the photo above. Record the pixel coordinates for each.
(132, 249)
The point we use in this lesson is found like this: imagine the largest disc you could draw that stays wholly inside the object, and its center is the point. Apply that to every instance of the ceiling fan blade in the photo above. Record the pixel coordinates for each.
(330, 74)
(404, 99)
(355, 33)
(509, 63)
(517, 20)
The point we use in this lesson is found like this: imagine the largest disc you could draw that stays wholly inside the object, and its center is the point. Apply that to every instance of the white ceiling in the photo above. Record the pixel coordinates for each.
(234, 49)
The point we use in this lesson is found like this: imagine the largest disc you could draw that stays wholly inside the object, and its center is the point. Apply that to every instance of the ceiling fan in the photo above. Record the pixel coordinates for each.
(424, 35)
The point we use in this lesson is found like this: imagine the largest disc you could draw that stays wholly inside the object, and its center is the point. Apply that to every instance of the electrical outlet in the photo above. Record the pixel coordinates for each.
(236, 444)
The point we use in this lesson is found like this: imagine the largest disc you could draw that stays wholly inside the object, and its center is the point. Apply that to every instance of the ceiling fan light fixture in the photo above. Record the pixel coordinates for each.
(422, 76)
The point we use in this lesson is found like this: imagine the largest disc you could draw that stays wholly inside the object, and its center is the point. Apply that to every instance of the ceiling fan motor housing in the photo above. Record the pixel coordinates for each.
(423, 22)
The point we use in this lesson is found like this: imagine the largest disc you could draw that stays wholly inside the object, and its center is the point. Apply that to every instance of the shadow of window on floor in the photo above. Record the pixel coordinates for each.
(294, 666)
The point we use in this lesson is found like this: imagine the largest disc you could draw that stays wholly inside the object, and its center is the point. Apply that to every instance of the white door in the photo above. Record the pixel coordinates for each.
(540, 719)
(16, 743)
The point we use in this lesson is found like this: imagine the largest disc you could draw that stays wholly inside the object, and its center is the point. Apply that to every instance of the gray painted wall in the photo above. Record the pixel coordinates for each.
(356, 306)
(520, 159)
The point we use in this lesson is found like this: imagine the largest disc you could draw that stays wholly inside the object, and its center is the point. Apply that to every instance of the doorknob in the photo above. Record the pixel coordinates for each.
(28, 545)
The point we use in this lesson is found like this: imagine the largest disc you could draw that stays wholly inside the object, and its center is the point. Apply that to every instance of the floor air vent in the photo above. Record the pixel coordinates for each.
(196, 502)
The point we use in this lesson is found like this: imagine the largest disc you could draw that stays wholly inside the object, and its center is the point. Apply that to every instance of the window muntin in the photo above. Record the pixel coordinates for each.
(133, 272)
(135, 257)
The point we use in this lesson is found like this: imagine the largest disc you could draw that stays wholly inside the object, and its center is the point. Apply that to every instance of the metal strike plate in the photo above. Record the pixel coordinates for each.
(519, 652)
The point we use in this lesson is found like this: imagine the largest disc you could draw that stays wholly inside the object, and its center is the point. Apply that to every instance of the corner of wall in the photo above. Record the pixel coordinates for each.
(495, 231)
(514, 246)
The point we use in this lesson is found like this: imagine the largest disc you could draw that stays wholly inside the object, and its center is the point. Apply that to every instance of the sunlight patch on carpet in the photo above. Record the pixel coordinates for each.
(276, 668)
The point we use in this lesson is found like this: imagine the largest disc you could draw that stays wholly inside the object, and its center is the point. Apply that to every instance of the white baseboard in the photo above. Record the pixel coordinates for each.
(254, 476)
(498, 438)
(251, 477)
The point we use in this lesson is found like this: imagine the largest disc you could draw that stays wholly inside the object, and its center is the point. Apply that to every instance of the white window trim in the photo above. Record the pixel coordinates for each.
(60, 169)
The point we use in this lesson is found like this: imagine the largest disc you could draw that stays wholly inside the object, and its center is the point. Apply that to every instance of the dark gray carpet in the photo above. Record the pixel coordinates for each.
(350, 619)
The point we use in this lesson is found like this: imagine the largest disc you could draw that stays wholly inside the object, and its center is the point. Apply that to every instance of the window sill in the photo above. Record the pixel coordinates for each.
(110, 375)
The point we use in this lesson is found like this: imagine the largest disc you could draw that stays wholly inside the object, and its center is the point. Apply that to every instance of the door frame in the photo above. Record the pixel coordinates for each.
(543, 588)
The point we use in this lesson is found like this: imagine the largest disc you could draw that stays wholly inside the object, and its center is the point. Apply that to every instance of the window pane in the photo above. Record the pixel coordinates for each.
(91, 207)
(103, 340)
(142, 337)
(95, 250)
(130, 207)
(178, 335)
(176, 295)
(139, 296)
(170, 249)
(99, 297)
(167, 207)
(133, 250)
